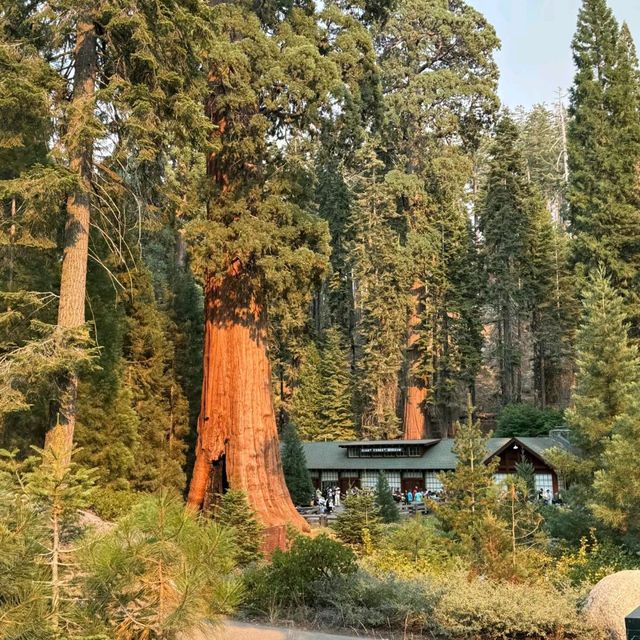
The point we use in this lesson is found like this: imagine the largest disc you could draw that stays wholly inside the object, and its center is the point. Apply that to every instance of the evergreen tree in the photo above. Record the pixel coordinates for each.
(146, 577)
(40, 596)
(234, 511)
(336, 412)
(380, 272)
(295, 469)
(148, 96)
(604, 149)
(604, 402)
(468, 510)
(307, 396)
(389, 511)
(359, 523)
(506, 223)
(433, 95)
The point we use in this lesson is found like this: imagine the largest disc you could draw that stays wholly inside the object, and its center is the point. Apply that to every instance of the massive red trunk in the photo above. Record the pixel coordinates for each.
(415, 422)
(238, 442)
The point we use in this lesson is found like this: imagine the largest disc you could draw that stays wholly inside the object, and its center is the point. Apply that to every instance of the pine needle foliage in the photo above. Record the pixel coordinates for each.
(161, 570)
(234, 512)
(389, 511)
(360, 522)
(294, 465)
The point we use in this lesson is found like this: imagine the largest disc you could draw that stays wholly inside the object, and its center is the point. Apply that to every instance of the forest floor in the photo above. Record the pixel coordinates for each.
(234, 630)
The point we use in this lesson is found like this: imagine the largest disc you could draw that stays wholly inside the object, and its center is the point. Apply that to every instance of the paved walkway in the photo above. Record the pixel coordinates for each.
(233, 630)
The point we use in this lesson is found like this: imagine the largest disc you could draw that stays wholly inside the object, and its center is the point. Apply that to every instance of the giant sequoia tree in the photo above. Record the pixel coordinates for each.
(257, 243)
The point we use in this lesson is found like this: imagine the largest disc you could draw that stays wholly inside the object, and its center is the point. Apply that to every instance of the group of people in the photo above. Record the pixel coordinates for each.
(416, 496)
(548, 497)
(327, 499)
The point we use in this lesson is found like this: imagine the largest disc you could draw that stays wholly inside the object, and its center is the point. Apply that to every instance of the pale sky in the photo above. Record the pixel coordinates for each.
(535, 58)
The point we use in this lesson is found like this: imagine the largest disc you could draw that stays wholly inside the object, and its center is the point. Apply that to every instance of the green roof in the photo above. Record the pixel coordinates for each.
(437, 457)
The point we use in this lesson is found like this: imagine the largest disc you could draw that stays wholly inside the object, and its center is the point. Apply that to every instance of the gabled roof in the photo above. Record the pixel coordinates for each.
(437, 457)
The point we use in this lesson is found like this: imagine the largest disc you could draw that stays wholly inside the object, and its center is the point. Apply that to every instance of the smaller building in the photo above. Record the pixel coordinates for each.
(417, 463)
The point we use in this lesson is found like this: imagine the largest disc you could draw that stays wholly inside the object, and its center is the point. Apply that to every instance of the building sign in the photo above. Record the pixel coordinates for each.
(381, 450)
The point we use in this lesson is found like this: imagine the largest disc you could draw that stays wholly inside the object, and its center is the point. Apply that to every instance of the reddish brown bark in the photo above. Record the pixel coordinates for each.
(237, 436)
(59, 438)
(415, 420)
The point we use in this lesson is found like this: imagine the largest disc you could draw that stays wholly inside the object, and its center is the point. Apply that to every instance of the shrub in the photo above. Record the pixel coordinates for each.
(111, 504)
(593, 560)
(488, 610)
(364, 601)
(162, 569)
(526, 420)
(411, 549)
(360, 521)
(291, 577)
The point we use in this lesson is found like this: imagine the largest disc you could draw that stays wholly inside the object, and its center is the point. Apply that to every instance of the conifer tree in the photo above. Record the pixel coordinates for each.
(603, 413)
(307, 396)
(389, 511)
(604, 149)
(258, 246)
(505, 222)
(359, 523)
(234, 511)
(336, 411)
(380, 271)
(468, 511)
(429, 91)
(148, 96)
(295, 469)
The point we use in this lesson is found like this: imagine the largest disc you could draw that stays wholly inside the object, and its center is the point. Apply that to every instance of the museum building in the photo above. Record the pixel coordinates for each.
(417, 463)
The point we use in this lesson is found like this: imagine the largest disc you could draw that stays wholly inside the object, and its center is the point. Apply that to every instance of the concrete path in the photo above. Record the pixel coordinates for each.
(233, 630)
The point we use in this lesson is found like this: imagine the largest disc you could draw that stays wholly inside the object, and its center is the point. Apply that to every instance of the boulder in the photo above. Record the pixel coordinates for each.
(611, 600)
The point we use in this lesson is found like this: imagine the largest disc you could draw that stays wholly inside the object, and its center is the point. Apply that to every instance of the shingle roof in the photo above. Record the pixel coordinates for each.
(333, 455)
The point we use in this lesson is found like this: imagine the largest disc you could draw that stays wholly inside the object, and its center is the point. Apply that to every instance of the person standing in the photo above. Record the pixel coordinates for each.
(337, 497)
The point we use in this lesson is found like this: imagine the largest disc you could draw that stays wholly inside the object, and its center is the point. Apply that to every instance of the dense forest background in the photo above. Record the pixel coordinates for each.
(411, 241)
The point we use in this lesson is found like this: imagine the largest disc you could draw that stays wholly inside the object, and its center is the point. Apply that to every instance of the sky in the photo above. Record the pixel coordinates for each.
(535, 58)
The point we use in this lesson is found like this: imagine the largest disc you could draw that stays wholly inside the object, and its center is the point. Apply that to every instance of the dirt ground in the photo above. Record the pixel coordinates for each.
(233, 630)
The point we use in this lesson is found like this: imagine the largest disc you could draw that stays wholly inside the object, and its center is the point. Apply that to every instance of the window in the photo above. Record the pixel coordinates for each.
(498, 478)
(544, 481)
(369, 479)
(394, 480)
(432, 482)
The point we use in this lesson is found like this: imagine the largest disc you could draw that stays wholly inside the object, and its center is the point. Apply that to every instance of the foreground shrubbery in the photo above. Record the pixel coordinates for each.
(453, 606)
(159, 570)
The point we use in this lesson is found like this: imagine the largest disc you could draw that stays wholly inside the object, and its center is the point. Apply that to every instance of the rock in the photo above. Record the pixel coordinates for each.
(613, 598)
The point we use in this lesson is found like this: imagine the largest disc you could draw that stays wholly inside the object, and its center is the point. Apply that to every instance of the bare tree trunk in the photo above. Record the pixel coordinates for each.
(238, 442)
(73, 280)
(415, 423)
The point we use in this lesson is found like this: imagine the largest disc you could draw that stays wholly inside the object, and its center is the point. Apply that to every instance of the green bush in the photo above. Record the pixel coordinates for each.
(364, 601)
(111, 504)
(474, 609)
(526, 420)
(411, 549)
(160, 570)
(292, 576)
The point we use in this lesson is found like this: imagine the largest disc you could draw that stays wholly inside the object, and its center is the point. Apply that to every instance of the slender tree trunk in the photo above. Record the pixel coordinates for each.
(76, 234)
(415, 423)
(238, 441)
(12, 245)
